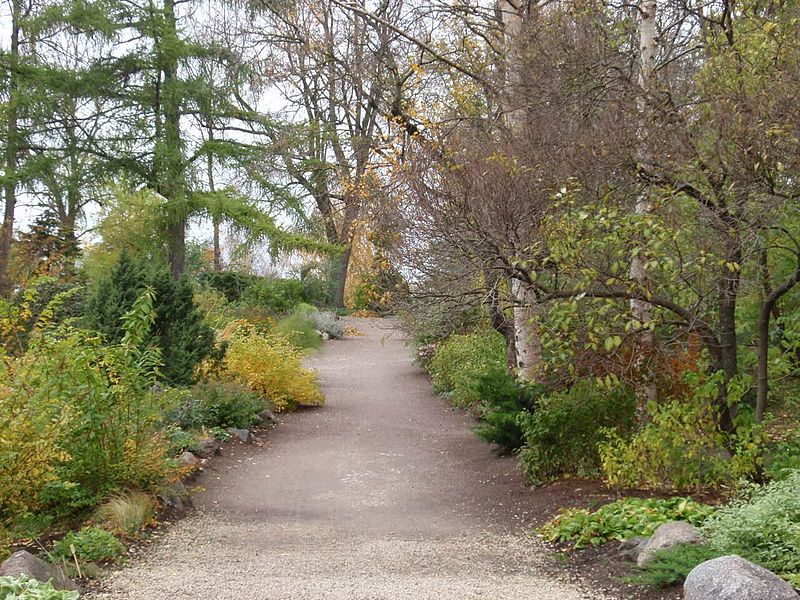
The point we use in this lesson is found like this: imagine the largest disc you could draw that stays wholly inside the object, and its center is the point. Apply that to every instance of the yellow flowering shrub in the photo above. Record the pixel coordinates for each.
(271, 365)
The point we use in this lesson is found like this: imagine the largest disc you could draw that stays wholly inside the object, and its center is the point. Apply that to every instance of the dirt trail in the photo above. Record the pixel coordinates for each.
(382, 494)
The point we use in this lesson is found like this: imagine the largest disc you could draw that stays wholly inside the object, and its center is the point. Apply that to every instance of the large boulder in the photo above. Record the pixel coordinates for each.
(669, 535)
(25, 563)
(243, 435)
(175, 496)
(208, 447)
(187, 459)
(734, 578)
(631, 548)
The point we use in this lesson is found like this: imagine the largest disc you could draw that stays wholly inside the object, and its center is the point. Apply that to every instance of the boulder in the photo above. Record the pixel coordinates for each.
(175, 496)
(208, 447)
(188, 459)
(669, 535)
(241, 434)
(734, 578)
(631, 548)
(325, 336)
(25, 563)
(267, 416)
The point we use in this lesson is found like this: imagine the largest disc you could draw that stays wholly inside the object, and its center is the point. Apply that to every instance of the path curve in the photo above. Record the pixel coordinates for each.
(382, 494)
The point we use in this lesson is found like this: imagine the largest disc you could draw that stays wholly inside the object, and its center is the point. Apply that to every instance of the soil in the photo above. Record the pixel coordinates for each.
(385, 492)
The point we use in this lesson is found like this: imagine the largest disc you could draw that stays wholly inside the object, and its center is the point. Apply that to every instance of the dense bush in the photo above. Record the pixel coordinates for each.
(459, 362)
(300, 328)
(763, 525)
(80, 419)
(278, 296)
(681, 448)
(91, 544)
(502, 399)
(218, 404)
(179, 330)
(23, 588)
(563, 433)
(270, 364)
(622, 519)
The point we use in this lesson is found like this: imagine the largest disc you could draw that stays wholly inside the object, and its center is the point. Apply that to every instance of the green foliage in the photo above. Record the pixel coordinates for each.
(277, 296)
(91, 544)
(563, 433)
(503, 398)
(783, 458)
(24, 588)
(179, 330)
(762, 525)
(216, 404)
(461, 360)
(681, 447)
(671, 566)
(299, 327)
(622, 519)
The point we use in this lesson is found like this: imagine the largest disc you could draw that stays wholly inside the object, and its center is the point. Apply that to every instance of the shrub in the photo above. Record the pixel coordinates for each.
(622, 519)
(270, 365)
(91, 544)
(299, 329)
(563, 433)
(681, 448)
(460, 361)
(672, 565)
(23, 588)
(218, 404)
(503, 398)
(178, 330)
(763, 525)
(275, 295)
(127, 512)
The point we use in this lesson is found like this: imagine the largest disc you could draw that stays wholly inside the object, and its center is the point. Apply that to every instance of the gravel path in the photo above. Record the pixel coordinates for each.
(382, 494)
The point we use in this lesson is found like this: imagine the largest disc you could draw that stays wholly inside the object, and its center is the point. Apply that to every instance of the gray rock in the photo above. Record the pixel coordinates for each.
(189, 460)
(208, 447)
(325, 336)
(25, 563)
(631, 548)
(267, 416)
(669, 535)
(241, 434)
(176, 496)
(734, 578)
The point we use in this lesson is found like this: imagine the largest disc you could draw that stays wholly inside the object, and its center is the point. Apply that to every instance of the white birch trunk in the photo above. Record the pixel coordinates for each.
(526, 311)
(641, 310)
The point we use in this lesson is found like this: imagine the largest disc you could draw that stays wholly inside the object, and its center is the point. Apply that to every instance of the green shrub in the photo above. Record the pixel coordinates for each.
(91, 544)
(763, 525)
(217, 404)
(23, 588)
(622, 519)
(672, 565)
(563, 433)
(460, 361)
(275, 295)
(503, 398)
(179, 330)
(299, 328)
(783, 458)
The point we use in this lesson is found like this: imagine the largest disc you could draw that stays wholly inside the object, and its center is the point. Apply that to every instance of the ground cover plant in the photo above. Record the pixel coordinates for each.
(622, 519)
(23, 588)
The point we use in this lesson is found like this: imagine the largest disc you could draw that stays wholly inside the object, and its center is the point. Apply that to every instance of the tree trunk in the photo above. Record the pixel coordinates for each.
(11, 155)
(526, 332)
(641, 310)
(215, 220)
(503, 325)
(728, 350)
(173, 184)
(340, 268)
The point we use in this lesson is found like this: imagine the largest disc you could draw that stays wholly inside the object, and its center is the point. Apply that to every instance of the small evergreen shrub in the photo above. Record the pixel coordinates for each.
(24, 588)
(563, 433)
(459, 362)
(621, 520)
(503, 399)
(672, 565)
(91, 544)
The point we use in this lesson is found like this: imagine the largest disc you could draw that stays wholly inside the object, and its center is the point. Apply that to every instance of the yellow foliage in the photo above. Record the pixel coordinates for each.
(270, 365)
(28, 451)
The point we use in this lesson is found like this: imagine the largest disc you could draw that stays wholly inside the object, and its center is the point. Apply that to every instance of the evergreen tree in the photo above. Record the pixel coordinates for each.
(179, 330)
